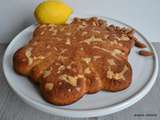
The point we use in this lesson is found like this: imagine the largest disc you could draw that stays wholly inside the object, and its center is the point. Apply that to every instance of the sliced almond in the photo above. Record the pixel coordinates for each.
(96, 57)
(139, 44)
(49, 86)
(69, 79)
(61, 68)
(92, 39)
(72, 80)
(116, 52)
(111, 61)
(47, 72)
(84, 33)
(124, 38)
(145, 53)
(42, 33)
(87, 71)
(117, 76)
(68, 41)
(82, 49)
(28, 54)
(87, 60)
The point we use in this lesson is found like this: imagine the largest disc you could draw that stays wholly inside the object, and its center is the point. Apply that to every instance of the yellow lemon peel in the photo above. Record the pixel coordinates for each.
(52, 12)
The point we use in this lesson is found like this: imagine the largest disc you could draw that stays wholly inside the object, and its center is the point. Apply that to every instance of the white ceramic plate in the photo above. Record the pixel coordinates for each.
(145, 70)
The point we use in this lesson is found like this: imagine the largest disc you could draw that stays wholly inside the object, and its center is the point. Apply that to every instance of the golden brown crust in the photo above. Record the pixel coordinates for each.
(68, 61)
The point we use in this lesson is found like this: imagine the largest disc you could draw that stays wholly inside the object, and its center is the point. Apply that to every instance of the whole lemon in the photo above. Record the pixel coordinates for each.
(52, 11)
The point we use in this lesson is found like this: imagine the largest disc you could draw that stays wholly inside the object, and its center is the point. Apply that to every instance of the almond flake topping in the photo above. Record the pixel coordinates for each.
(124, 38)
(117, 76)
(96, 57)
(96, 31)
(49, 86)
(52, 25)
(47, 72)
(59, 39)
(68, 41)
(111, 61)
(55, 49)
(87, 60)
(116, 52)
(106, 36)
(69, 67)
(28, 54)
(82, 49)
(114, 42)
(42, 33)
(105, 50)
(84, 33)
(44, 25)
(62, 29)
(94, 24)
(39, 57)
(116, 38)
(80, 27)
(61, 58)
(70, 79)
(92, 39)
(87, 71)
(61, 68)
(63, 51)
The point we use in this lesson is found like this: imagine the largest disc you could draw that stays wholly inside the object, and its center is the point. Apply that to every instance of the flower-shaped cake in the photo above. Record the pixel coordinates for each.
(71, 60)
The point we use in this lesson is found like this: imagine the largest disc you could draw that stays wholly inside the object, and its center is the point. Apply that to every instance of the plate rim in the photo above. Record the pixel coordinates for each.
(95, 112)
